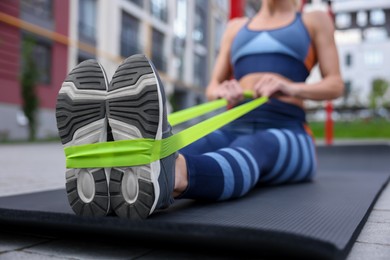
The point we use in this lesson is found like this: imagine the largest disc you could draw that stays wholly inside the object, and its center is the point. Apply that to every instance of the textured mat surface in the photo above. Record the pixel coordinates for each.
(317, 220)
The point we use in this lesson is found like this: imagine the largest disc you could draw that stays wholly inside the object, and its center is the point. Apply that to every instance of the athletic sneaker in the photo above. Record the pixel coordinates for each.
(136, 109)
(81, 119)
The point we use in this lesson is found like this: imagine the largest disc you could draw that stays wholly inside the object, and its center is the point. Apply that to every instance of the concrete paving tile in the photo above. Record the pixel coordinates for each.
(364, 251)
(383, 202)
(379, 216)
(192, 254)
(11, 242)
(31, 167)
(375, 233)
(88, 250)
(20, 255)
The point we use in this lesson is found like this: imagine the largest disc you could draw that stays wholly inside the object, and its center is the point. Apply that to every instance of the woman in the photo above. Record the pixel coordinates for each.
(271, 55)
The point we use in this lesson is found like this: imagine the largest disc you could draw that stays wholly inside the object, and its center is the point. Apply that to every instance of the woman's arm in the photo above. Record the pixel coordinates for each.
(331, 86)
(220, 85)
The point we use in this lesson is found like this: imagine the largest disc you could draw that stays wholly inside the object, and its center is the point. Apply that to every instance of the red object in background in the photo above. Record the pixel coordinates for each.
(329, 105)
(329, 123)
(237, 8)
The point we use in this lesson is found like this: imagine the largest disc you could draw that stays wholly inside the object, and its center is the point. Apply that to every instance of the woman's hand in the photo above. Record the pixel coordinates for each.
(231, 91)
(271, 85)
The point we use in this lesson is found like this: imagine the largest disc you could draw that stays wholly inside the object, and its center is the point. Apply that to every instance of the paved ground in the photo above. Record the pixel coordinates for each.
(37, 167)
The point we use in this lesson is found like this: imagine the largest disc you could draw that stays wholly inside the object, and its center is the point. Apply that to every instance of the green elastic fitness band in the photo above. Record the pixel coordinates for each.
(143, 151)
(193, 112)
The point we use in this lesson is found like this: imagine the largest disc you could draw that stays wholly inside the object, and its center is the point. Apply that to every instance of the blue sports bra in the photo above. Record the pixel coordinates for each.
(286, 51)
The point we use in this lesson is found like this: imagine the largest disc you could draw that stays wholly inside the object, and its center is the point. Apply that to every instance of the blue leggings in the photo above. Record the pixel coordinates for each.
(228, 163)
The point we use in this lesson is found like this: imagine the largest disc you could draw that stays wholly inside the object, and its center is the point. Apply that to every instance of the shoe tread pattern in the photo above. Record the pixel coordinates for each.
(140, 208)
(140, 110)
(87, 75)
(129, 72)
(74, 114)
(98, 206)
(71, 114)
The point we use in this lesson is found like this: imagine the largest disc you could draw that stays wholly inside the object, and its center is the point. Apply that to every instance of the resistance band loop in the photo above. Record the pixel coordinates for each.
(196, 111)
(143, 151)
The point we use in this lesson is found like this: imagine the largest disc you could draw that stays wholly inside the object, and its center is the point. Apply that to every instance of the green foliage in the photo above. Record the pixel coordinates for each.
(378, 128)
(28, 80)
(379, 88)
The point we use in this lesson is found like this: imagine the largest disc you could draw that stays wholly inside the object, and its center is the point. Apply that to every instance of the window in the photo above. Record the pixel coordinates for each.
(87, 20)
(219, 30)
(42, 57)
(200, 70)
(343, 20)
(82, 56)
(140, 3)
(41, 53)
(347, 89)
(178, 99)
(179, 51)
(180, 29)
(39, 8)
(180, 24)
(158, 8)
(252, 7)
(223, 5)
(373, 59)
(377, 17)
(129, 35)
(200, 29)
(361, 18)
(348, 59)
(158, 50)
(375, 34)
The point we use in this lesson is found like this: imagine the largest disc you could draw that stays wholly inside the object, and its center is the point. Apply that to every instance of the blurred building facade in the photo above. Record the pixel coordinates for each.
(178, 35)
(362, 38)
(363, 30)
(47, 22)
(181, 37)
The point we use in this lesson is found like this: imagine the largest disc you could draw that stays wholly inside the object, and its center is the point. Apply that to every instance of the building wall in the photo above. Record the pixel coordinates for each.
(12, 28)
(369, 59)
(369, 56)
(184, 81)
(68, 48)
(9, 51)
(48, 93)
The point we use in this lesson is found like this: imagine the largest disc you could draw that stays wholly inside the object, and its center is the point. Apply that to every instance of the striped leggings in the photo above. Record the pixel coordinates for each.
(227, 164)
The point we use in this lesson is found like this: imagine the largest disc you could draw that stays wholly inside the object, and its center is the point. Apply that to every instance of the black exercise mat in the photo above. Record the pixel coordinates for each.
(317, 220)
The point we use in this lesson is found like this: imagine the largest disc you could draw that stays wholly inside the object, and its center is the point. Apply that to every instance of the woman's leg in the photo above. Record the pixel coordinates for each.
(272, 156)
(211, 142)
(295, 159)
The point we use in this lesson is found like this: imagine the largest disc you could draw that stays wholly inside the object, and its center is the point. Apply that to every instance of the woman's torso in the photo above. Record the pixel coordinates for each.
(285, 51)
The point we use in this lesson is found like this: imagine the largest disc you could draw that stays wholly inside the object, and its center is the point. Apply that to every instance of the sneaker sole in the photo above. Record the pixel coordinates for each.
(81, 119)
(135, 111)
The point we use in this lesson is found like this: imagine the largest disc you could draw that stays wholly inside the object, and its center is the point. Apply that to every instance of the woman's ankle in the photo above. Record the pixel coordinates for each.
(181, 176)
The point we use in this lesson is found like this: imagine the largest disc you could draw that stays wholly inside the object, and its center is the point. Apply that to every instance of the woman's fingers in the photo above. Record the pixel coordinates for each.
(260, 86)
(269, 86)
(236, 93)
(231, 91)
